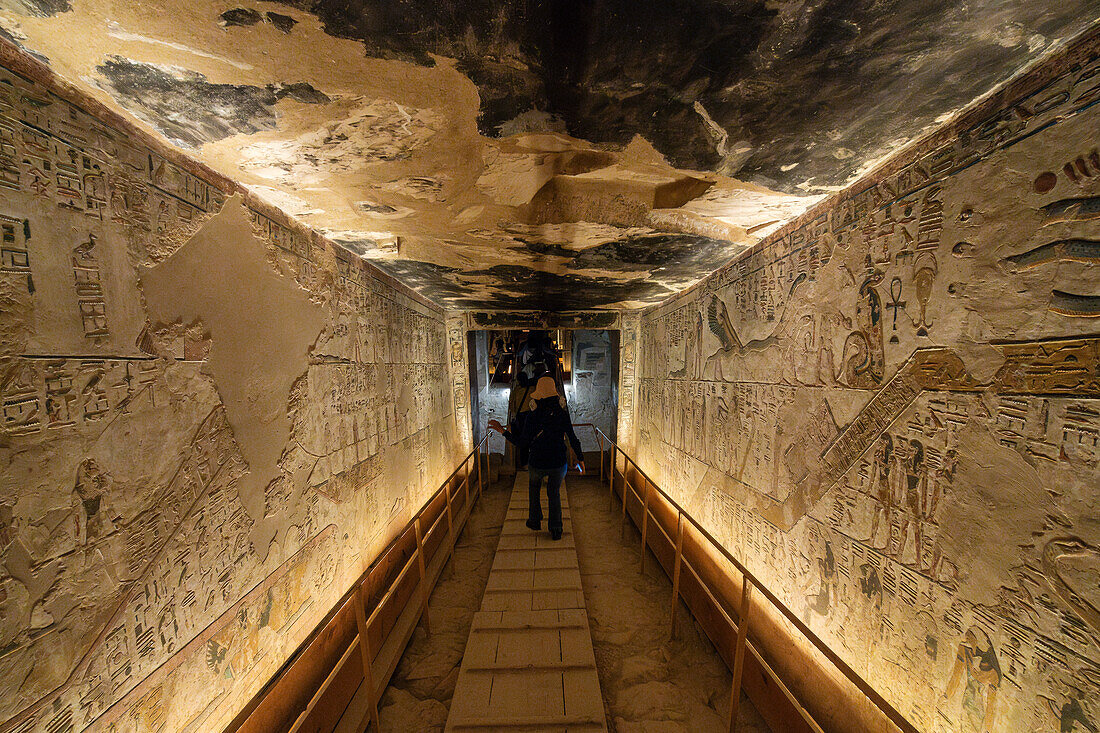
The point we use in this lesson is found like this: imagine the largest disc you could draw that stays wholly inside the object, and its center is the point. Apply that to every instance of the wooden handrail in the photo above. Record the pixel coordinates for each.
(862, 685)
(357, 594)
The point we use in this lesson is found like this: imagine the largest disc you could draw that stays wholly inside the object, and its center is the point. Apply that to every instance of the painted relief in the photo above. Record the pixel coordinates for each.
(628, 380)
(210, 422)
(459, 370)
(890, 409)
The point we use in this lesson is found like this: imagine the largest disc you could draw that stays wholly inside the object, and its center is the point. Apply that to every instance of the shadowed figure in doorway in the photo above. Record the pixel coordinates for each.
(543, 432)
(535, 358)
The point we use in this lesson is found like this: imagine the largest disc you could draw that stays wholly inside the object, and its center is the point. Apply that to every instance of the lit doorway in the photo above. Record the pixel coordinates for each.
(504, 368)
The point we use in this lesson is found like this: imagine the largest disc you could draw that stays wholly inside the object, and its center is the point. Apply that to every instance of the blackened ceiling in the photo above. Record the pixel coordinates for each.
(811, 89)
(583, 153)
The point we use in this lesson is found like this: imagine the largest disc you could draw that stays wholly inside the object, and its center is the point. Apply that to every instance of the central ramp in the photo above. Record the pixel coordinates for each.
(528, 664)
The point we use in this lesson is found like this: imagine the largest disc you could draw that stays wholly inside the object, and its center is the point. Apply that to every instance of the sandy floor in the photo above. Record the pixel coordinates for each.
(650, 685)
(421, 688)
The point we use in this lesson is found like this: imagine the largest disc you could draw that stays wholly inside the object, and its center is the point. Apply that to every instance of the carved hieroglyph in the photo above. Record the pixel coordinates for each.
(628, 381)
(891, 411)
(458, 366)
(211, 422)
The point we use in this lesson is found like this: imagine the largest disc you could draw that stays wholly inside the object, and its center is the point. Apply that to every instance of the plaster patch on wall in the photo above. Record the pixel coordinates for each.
(142, 423)
(997, 507)
(261, 338)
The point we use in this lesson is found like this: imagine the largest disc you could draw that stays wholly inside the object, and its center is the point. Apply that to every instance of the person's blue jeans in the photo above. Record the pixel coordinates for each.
(554, 477)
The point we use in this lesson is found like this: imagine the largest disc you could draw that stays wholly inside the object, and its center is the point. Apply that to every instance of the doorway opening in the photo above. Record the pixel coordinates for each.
(506, 364)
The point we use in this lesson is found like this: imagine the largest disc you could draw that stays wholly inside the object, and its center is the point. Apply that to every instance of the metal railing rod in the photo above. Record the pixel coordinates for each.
(451, 523)
(710, 594)
(358, 592)
(408, 563)
(645, 523)
(477, 448)
(676, 575)
(368, 658)
(391, 590)
(313, 701)
(423, 582)
(735, 625)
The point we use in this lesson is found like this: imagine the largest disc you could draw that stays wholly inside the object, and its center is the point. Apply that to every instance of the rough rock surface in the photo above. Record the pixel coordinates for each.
(474, 116)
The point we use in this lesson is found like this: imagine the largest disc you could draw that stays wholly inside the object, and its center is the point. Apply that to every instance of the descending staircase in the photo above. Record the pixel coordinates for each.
(529, 663)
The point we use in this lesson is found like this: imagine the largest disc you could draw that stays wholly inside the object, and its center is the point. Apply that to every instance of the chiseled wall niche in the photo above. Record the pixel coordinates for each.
(890, 410)
(212, 422)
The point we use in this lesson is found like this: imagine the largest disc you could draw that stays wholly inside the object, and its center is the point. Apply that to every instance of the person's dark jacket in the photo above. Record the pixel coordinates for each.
(543, 431)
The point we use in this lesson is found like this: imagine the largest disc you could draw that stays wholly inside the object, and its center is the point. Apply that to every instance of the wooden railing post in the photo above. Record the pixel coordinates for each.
(739, 651)
(479, 472)
(611, 481)
(368, 656)
(450, 527)
(676, 574)
(645, 520)
(599, 439)
(748, 585)
(423, 577)
(626, 484)
(466, 490)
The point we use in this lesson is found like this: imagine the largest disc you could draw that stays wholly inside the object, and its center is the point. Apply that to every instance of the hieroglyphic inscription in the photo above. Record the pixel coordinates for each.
(129, 547)
(90, 299)
(890, 410)
(14, 234)
(40, 394)
(58, 153)
(628, 381)
(460, 376)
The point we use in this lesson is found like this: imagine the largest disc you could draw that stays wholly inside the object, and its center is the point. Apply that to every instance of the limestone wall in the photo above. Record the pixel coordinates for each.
(212, 422)
(590, 393)
(890, 409)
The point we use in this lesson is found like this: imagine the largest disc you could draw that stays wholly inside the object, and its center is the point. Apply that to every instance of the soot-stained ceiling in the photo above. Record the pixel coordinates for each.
(557, 154)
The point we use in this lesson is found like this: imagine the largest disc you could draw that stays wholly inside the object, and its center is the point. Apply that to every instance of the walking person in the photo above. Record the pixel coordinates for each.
(543, 432)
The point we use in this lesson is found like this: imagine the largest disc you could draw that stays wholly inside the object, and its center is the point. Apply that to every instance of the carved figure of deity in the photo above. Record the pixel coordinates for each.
(91, 485)
(870, 584)
(978, 673)
(821, 600)
(1070, 714)
(882, 490)
(914, 484)
(863, 358)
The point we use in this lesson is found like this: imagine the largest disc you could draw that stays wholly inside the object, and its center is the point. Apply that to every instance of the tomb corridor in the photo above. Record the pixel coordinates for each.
(816, 283)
